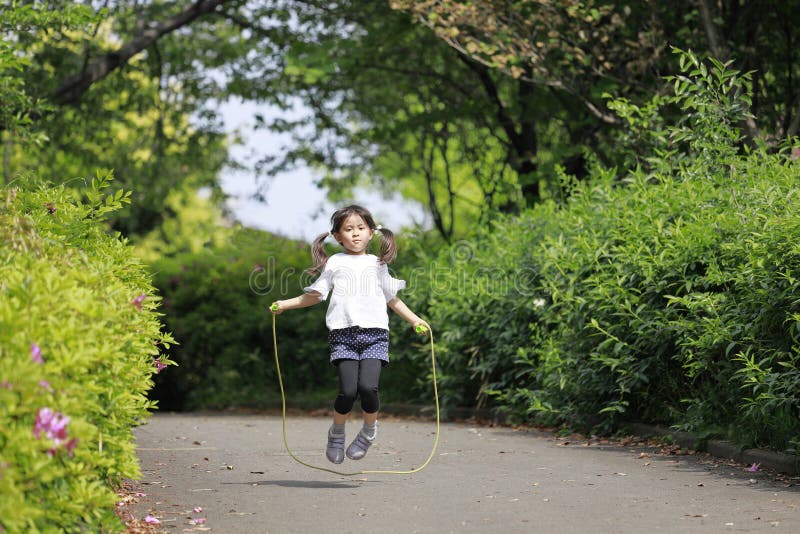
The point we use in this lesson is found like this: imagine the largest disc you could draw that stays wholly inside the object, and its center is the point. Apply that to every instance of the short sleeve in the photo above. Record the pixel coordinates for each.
(321, 285)
(390, 286)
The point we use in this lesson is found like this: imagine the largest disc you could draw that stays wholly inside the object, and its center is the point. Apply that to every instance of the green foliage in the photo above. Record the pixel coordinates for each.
(668, 296)
(160, 139)
(478, 304)
(17, 103)
(216, 301)
(78, 336)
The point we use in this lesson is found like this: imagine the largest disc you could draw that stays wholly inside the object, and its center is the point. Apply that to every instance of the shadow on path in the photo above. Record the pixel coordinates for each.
(312, 484)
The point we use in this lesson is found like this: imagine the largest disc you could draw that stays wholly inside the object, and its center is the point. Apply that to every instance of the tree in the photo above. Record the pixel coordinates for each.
(469, 107)
(133, 118)
(594, 38)
(411, 113)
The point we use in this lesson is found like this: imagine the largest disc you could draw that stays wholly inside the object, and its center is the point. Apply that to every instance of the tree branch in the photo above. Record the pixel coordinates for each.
(717, 48)
(506, 122)
(554, 84)
(74, 88)
(794, 126)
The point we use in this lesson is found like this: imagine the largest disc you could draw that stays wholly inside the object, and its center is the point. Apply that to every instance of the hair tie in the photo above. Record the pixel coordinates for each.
(378, 228)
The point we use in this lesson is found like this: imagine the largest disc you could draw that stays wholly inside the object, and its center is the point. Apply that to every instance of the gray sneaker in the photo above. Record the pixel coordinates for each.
(335, 449)
(358, 449)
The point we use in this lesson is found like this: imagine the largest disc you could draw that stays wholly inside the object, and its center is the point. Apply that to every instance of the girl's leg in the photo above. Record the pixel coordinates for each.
(339, 418)
(368, 378)
(369, 375)
(370, 418)
(348, 390)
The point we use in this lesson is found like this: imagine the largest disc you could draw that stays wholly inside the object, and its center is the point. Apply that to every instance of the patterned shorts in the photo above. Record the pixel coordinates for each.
(356, 343)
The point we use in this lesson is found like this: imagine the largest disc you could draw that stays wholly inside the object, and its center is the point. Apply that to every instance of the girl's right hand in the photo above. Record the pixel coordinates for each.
(276, 308)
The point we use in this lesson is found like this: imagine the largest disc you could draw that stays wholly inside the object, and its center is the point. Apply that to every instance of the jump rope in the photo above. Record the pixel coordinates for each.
(421, 329)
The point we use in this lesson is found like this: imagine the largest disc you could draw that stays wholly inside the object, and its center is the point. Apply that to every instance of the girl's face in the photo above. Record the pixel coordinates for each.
(354, 235)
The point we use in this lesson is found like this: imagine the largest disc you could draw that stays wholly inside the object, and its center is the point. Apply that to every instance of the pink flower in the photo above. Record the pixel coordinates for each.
(197, 509)
(58, 428)
(198, 521)
(70, 446)
(36, 354)
(138, 301)
(160, 366)
(753, 468)
(6, 385)
(150, 520)
(43, 419)
(53, 426)
(44, 384)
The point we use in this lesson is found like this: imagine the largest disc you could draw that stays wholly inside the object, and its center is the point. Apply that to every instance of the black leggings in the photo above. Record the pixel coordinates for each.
(358, 378)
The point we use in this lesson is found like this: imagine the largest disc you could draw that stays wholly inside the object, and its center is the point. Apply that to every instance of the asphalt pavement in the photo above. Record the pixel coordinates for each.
(228, 473)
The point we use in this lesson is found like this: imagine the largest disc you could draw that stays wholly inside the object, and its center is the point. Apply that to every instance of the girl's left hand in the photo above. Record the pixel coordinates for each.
(422, 328)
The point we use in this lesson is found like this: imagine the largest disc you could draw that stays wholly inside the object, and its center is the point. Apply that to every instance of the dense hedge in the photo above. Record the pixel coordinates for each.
(669, 295)
(79, 343)
(216, 303)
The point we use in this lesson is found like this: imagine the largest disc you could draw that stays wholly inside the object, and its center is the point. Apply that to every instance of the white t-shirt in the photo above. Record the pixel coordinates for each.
(360, 286)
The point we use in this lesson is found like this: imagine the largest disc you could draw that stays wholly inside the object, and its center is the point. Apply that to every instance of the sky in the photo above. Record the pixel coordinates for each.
(295, 206)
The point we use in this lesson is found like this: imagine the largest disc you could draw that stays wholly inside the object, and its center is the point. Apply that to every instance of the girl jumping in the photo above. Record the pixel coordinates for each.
(361, 288)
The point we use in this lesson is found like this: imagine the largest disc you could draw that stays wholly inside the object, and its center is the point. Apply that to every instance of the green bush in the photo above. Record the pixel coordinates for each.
(216, 304)
(476, 295)
(667, 296)
(79, 343)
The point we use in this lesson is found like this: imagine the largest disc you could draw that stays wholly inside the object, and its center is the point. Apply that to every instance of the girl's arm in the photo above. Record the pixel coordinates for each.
(303, 301)
(403, 311)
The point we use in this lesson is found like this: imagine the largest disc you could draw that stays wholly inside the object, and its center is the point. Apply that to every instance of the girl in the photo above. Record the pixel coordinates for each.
(357, 320)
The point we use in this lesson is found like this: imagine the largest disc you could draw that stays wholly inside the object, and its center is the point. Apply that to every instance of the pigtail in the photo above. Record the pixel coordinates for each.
(318, 254)
(388, 245)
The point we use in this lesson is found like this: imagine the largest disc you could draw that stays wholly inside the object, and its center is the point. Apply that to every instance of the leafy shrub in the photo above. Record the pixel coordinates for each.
(668, 295)
(78, 346)
(216, 303)
(477, 296)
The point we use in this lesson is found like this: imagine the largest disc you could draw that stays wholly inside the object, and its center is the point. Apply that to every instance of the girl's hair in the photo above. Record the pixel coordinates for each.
(388, 251)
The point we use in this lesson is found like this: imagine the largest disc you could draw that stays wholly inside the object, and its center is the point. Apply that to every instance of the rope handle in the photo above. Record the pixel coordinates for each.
(420, 329)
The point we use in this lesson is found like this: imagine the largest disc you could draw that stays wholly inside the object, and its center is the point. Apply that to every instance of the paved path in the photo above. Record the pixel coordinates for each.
(481, 480)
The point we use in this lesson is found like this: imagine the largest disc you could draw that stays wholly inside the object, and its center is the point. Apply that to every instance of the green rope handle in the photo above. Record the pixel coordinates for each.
(419, 329)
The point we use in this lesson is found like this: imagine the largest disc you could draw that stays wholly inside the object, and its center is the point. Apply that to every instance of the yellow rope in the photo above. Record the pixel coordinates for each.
(365, 472)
